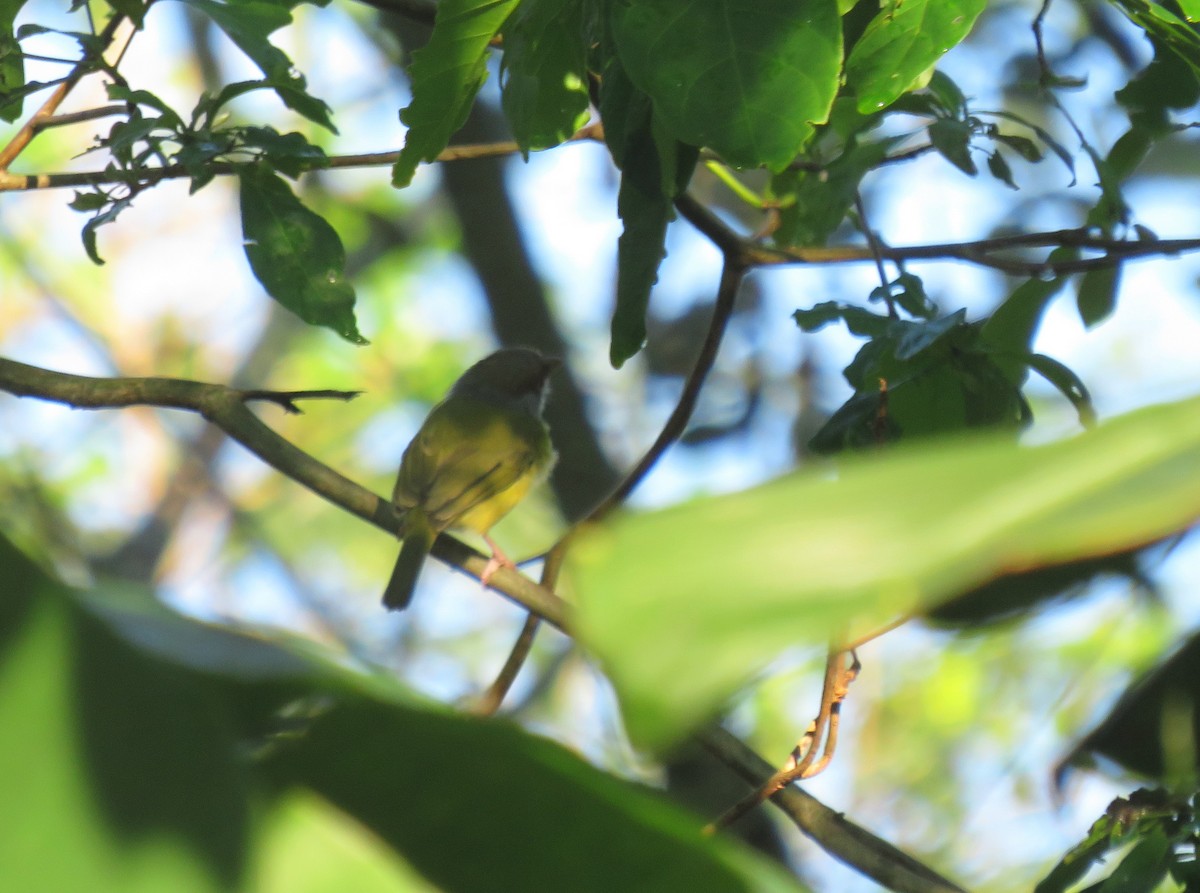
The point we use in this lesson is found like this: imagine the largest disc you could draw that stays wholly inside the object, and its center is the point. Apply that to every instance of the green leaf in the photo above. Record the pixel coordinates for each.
(446, 74)
(655, 168)
(1097, 297)
(12, 64)
(88, 201)
(915, 337)
(746, 78)
(394, 770)
(108, 215)
(145, 748)
(902, 42)
(288, 153)
(248, 23)
(858, 320)
(1070, 384)
(295, 254)
(952, 139)
(134, 10)
(999, 169)
(1143, 868)
(814, 203)
(645, 204)
(1023, 146)
(737, 580)
(129, 773)
(1011, 328)
(543, 78)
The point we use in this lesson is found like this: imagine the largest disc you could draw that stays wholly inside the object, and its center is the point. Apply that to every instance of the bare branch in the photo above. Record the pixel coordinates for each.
(226, 408)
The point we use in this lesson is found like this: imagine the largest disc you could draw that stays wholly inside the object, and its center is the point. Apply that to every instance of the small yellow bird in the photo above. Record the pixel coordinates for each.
(476, 456)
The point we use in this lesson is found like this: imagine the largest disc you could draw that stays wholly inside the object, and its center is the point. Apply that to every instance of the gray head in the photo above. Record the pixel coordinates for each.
(513, 373)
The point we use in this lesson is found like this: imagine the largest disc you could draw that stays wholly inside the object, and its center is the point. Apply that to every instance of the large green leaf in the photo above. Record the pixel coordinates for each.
(686, 605)
(544, 93)
(902, 42)
(295, 253)
(145, 751)
(478, 805)
(123, 770)
(746, 78)
(446, 74)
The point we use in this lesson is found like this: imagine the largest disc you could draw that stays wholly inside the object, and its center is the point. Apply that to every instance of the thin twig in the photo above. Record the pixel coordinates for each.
(875, 243)
(802, 763)
(10, 182)
(287, 399)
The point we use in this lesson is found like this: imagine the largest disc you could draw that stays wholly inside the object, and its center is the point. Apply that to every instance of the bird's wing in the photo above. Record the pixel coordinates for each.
(466, 453)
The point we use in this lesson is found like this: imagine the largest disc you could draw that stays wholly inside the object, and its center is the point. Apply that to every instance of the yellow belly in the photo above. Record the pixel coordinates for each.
(481, 518)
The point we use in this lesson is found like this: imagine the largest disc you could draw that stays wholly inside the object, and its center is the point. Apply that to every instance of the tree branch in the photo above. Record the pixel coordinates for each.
(10, 182)
(226, 408)
(837, 835)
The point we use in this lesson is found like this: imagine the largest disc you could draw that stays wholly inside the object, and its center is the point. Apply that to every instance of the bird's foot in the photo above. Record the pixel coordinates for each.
(497, 561)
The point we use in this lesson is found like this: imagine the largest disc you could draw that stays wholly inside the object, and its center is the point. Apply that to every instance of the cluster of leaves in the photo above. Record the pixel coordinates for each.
(1165, 837)
(749, 81)
(294, 252)
(934, 373)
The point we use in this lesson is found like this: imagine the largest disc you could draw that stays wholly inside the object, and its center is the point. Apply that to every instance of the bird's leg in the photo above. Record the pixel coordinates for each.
(497, 561)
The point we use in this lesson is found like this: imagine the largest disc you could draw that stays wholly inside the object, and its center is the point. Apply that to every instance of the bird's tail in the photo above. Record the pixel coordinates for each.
(418, 540)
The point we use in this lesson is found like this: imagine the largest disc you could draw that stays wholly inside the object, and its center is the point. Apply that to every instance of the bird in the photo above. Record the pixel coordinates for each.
(476, 455)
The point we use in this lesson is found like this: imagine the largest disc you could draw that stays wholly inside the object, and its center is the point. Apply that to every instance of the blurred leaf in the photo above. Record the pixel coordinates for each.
(394, 770)
(999, 169)
(1143, 868)
(12, 63)
(903, 41)
(309, 846)
(248, 24)
(738, 579)
(1097, 296)
(859, 320)
(1143, 817)
(1068, 383)
(134, 10)
(544, 73)
(952, 139)
(1023, 146)
(1135, 732)
(747, 79)
(915, 378)
(1011, 328)
(128, 776)
(295, 254)
(109, 213)
(1020, 592)
(446, 74)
